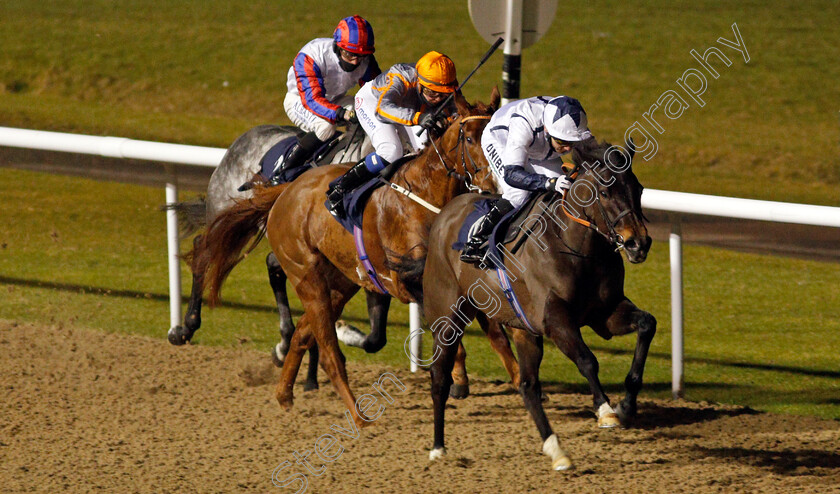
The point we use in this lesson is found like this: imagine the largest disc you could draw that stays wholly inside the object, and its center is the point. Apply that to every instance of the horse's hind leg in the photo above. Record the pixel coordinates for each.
(318, 300)
(530, 350)
(460, 381)
(500, 343)
(447, 342)
(626, 319)
(179, 335)
(301, 340)
(277, 278)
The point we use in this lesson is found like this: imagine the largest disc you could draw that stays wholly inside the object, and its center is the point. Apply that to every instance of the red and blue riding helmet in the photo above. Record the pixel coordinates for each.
(355, 35)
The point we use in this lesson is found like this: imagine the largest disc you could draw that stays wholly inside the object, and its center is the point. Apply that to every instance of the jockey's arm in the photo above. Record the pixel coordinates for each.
(515, 157)
(310, 85)
(389, 107)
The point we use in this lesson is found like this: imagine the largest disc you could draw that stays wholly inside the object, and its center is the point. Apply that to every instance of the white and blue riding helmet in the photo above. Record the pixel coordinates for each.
(565, 119)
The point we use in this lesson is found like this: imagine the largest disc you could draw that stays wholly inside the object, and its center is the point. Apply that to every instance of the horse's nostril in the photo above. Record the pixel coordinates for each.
(632, 243)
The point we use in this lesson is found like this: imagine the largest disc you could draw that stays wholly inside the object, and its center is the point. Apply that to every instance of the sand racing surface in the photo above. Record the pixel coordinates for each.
(86, 411)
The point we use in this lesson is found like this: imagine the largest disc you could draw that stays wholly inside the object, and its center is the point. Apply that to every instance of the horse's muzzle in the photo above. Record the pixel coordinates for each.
(637, 248)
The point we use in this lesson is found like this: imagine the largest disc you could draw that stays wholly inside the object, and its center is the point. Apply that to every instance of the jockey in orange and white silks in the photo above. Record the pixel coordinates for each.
(524, 142)
(319, 78)
(395, 104)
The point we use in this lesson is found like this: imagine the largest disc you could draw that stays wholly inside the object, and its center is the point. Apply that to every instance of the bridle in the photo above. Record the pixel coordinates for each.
(464, 154)
(612, 236)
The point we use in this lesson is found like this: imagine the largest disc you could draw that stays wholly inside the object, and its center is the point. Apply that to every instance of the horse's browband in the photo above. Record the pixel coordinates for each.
(474, 117)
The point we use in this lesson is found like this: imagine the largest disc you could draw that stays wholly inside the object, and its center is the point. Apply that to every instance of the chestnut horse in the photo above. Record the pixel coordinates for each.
(319, 256)
(568, 274)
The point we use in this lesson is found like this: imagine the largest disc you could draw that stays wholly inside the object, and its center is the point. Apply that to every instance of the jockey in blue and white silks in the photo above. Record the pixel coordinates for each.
(319, 78)
(395, 104)
(523, 143)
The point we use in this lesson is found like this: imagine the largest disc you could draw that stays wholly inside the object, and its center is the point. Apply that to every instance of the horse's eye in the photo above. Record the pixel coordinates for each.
(469, 140)
(604, 194)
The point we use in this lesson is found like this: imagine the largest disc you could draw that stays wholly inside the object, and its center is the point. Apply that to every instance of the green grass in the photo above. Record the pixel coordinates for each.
(760, 331)
(204, 72)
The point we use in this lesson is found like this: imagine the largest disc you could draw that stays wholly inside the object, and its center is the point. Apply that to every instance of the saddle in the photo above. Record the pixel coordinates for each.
(512, 227)
(274, 158)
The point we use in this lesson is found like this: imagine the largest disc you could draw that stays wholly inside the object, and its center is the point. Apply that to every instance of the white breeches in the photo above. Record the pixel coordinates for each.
(386, 138)
(308, 121)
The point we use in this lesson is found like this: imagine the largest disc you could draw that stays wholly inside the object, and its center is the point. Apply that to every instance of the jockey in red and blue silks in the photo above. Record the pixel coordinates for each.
(318, 80)
(524, 142)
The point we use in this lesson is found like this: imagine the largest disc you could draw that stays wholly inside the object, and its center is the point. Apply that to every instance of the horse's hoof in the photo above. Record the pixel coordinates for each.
(459, 391)
(349, 335)
(561, 463)
(437, 454)
(192, 323)
(276, 356)
(308, 386)
(625, 414)
(559, 459)
(286, 400)
(607, 418)
(178, 335)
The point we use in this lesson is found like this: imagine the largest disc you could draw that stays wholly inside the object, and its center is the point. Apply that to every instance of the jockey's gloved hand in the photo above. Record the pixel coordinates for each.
(558, 184)
(427, 121)
(347, 115)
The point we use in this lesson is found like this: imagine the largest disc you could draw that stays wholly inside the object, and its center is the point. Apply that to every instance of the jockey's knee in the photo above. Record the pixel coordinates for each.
(323, 130)
(516, 197)
(389, 151)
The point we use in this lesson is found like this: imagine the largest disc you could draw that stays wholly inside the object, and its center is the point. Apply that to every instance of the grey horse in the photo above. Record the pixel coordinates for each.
(241, 164)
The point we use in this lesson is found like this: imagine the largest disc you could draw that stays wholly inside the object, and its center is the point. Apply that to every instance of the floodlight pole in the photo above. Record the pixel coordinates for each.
(513, 52)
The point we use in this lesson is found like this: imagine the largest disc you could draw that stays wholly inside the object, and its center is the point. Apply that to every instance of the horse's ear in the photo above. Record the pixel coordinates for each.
(463, 106)
(495, 98)
(631, 147)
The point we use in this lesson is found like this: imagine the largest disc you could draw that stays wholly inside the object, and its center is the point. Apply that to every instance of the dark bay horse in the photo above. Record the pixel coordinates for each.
(319, 255)
(567, 274)
(241, 163)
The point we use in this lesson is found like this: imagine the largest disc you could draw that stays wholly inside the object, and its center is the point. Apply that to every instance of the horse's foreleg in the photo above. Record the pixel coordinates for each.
(500, 343)
(378, 305)
(530, 350)
(192, 319)
(566, 335)
(628, 318)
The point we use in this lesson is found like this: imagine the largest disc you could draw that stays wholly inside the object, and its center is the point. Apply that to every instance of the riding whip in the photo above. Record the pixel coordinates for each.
(452, 95)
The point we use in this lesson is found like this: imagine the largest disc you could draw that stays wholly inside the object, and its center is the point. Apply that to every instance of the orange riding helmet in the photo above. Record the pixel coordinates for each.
(436, 71)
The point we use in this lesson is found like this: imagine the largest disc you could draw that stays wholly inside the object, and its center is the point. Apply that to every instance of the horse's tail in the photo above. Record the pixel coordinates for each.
(230, 233)
(409, 270)
(192, 215)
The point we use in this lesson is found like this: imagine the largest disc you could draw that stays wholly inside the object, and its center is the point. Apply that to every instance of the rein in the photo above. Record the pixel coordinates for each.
(450, 171)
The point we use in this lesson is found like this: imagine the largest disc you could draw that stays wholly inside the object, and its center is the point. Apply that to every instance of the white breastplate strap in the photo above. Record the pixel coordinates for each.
(411, 195)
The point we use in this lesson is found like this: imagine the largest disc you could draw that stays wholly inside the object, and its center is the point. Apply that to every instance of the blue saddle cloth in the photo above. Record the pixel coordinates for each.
(500, 231)
(278, 153)
(354, 202)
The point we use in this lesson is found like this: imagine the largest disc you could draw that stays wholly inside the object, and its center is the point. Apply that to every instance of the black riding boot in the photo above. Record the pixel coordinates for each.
(354, 177)
(302, 150)
(480, 231)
